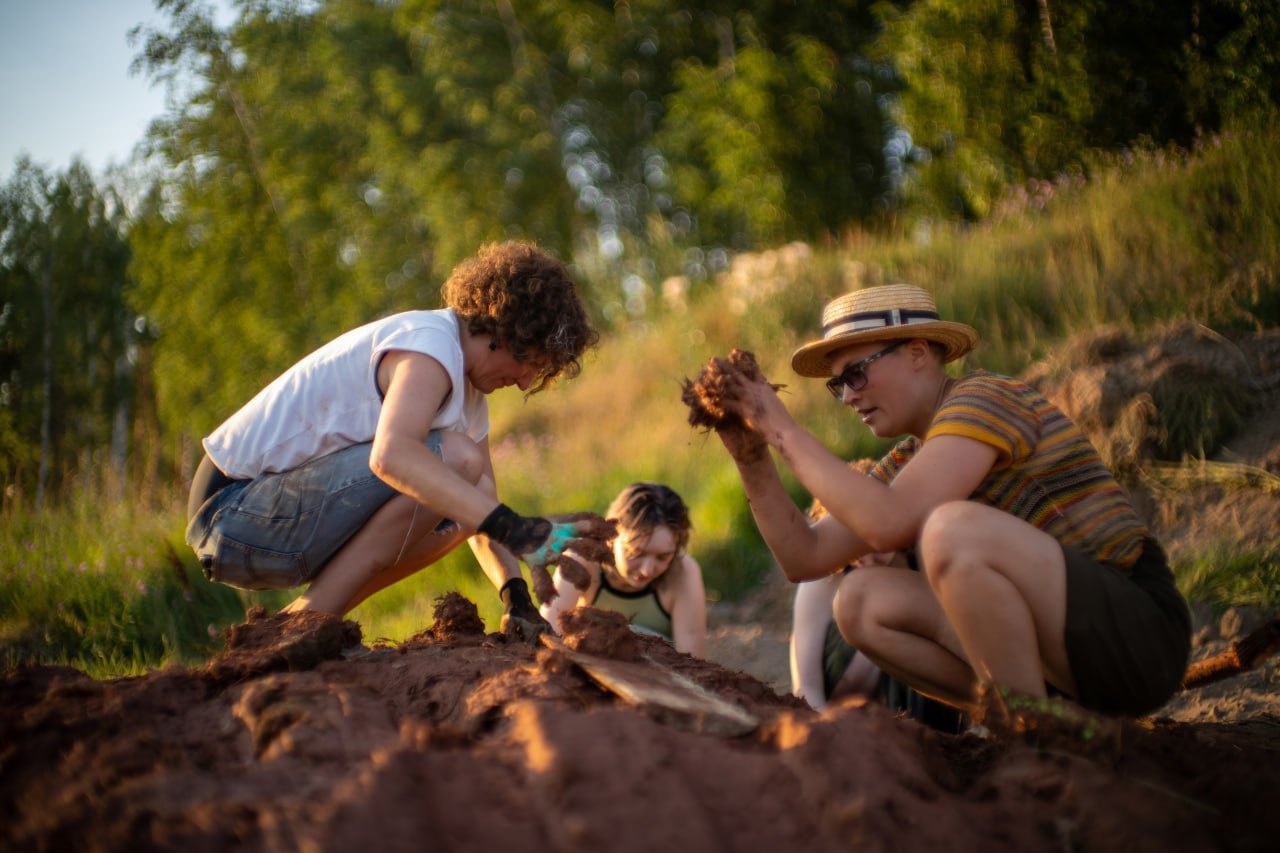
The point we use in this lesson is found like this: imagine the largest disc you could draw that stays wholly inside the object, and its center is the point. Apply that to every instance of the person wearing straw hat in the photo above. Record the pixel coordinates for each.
(1036, 573)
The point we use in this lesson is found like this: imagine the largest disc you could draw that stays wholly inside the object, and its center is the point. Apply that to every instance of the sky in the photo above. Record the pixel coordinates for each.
(65, 86)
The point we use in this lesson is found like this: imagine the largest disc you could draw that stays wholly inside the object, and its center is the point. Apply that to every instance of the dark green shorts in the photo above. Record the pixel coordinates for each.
(836, 657)
(1128, 636)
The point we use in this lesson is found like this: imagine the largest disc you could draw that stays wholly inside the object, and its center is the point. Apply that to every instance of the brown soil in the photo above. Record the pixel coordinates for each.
(705, 395)
(458, 740)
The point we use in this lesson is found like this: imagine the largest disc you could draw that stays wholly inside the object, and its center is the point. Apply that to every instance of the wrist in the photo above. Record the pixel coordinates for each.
(515, 592)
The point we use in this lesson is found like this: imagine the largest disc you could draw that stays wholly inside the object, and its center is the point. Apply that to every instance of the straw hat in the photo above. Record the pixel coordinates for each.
(887, 313)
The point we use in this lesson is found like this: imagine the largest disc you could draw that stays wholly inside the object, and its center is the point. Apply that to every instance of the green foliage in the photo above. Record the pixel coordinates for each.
(999, 93)
(1224, 576)
(101, 585)
(66, 335)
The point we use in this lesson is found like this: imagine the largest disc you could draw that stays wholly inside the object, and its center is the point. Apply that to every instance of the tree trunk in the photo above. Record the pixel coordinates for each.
(46, 379)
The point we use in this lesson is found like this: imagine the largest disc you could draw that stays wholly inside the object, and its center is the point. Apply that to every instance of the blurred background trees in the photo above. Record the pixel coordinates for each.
(325, 162)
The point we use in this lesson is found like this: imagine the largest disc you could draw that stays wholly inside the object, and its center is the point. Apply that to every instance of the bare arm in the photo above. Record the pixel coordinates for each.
(803, 550)
(569, 596)
(689, 608)
(498, 564)
(864, 514)
(415, 387)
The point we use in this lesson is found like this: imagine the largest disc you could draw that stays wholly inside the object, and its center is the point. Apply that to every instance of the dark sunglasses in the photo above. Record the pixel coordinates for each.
(855, 375)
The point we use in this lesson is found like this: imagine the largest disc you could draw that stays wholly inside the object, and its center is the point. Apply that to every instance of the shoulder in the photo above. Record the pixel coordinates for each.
(993, 409)
(425, 331)
(982, 385)
(684, 577)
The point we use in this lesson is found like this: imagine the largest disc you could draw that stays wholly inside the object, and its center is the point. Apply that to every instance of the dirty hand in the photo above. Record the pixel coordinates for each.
(755, 403)
(520, 618)
(744, 444)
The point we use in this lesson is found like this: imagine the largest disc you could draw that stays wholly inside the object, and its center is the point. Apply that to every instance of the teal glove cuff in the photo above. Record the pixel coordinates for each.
(554, 546)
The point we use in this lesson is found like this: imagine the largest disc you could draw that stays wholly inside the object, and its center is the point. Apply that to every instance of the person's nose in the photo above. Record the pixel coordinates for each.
(526, 377)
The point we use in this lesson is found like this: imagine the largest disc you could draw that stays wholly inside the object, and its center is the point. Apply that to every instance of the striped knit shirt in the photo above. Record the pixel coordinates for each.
(1046, 471)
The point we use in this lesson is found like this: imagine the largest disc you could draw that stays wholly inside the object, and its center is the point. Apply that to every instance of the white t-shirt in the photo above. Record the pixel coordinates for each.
(330, 399)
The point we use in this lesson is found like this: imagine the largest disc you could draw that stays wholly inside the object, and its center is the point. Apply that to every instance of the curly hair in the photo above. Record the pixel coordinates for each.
(526, 301)
(641, 507)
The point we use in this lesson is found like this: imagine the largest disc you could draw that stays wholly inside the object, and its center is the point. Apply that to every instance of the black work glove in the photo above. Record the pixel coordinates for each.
(541, 542)
(520, 618)
(537, 541)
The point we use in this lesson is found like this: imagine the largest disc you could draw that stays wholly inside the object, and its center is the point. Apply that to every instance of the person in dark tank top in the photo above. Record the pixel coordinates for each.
(651, 579)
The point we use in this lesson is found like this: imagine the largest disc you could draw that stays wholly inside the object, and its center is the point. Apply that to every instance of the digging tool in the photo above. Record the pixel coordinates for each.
(661, 692)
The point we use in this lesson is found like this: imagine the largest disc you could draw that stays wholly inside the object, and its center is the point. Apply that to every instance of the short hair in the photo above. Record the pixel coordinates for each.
(525, 299)
(641, 507)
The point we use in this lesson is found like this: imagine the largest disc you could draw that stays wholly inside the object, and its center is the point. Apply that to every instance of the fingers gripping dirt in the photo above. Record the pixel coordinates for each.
(710, 397)
(592, 537)
(706, 395)
(574, 572)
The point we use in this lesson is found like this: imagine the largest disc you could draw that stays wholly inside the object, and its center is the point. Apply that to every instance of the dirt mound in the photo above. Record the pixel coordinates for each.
(458, 740)
(1175, 391)
(1190, 423)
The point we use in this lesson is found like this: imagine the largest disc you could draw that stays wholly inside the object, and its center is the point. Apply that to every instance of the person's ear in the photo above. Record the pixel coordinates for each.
(920, 352)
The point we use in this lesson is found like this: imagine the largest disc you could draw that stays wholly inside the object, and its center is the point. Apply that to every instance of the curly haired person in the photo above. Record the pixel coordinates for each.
(369, 459)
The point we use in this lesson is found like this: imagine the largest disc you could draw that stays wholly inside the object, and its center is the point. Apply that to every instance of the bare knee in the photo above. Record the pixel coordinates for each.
(851, 608)
(462, 455)
(952, 539)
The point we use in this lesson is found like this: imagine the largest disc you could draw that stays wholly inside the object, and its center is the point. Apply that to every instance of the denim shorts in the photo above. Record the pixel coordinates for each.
(278, 531)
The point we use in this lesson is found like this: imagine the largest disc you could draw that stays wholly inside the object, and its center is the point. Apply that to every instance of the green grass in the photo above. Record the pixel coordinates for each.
(1226, 576)
(109, 587)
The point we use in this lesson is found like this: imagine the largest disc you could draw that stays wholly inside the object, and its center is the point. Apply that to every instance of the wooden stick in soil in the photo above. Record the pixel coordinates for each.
(1242, 655)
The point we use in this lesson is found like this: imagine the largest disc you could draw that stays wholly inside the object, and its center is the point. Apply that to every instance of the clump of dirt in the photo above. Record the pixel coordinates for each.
(574, 572)
(456, 616)
(283, 641)
(705, 395)
(1049, 723)
(605, 633)
(592, 543)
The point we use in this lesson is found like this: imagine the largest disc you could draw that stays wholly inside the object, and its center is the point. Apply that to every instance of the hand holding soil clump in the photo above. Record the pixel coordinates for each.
(716, 399)
(593, 535)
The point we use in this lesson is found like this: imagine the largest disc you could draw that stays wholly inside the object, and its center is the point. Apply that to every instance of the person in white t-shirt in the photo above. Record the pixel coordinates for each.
(369, 459)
